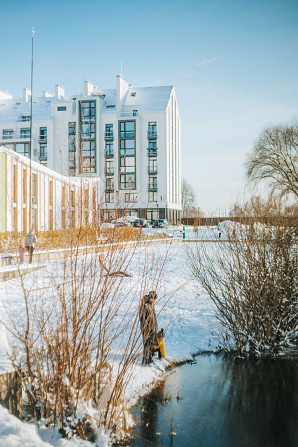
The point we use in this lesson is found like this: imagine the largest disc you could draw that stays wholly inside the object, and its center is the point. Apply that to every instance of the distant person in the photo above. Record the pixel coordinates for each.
(160, 347)
(22, 251)
(219, 232)
(148, 324)
(234, 233)
(30, 241)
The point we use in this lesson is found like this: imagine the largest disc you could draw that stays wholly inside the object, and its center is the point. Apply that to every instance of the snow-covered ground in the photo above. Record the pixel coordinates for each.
(183, 309)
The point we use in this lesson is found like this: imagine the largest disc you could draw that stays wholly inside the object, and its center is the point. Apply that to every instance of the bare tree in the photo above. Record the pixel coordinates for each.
(188, 197)
(275, 159)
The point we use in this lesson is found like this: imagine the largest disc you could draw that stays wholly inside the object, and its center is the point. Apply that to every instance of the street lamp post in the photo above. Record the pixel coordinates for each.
(30, 152)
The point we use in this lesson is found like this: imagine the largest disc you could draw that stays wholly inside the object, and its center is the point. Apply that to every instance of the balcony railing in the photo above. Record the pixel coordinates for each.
(43, 156)
(152, 134)
(109, 135)
(109, 171)
(109, 154)
(152, 169)
(152, 188)
(152, 152)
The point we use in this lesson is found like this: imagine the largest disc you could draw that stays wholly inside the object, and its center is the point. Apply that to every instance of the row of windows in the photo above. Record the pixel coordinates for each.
(25, 132)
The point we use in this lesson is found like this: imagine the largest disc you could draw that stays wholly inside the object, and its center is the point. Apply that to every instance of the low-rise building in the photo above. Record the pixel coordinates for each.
(57, 201)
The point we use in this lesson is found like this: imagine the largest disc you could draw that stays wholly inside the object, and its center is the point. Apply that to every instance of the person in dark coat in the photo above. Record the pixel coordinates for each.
(148, 324)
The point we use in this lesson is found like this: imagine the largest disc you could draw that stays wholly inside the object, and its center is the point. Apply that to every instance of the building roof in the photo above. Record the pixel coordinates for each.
(143, 99)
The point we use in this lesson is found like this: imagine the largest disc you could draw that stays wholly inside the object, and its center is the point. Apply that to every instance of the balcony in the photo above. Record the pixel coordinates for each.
(152, 134)
(109, 135)
(152, 188)
(43, 156)
(152, 151)
(109, 171)
(109, 154)
(152, 170)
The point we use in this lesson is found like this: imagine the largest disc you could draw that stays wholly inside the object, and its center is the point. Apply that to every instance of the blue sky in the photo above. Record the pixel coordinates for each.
(234, 66)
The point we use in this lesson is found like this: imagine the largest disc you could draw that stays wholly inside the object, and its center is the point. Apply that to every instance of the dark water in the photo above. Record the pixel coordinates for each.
(226, 403)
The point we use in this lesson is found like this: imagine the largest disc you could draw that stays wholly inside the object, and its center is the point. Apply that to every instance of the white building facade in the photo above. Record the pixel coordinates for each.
(129, 137)
(57, 201)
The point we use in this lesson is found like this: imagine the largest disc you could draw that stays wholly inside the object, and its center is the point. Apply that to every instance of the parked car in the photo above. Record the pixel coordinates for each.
(163, 223)
(141, 223)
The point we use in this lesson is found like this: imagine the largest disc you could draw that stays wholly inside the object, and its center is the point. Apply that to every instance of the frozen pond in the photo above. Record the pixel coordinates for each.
(226, 403)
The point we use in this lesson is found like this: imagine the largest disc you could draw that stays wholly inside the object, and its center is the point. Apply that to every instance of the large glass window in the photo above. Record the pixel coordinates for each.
(87, 111)
(25, 132)
(87, 136)
(43, 151)
(72, 149)
(128, 164)
(127, 129)
(23, 148)
(88, 130)
(127, 181)
(127, 147)
(152, 182)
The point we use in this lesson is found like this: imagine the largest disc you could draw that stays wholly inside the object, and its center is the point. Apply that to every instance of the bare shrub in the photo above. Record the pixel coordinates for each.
(80, 337)
(252, 280)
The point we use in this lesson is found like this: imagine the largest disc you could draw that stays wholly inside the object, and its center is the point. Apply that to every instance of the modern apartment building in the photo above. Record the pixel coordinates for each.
(57, 201)
(129, 137)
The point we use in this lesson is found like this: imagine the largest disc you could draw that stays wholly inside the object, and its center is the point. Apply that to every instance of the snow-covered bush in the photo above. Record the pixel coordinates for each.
(252, 278)
(74, 357)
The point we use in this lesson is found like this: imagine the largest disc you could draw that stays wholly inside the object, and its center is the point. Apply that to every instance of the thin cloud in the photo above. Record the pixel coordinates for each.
(209, 61)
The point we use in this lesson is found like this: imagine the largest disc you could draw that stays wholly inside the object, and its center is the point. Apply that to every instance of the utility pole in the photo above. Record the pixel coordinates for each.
(30, 152)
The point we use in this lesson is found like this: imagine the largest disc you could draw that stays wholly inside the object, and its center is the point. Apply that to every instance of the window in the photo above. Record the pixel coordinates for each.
(110, 183)
(87, 137)
(43, 152)
(23, 149)
(72, 149)
(130, 197)
(61, 108)
(127, 164)
(128, 181)
(109, 131)
(88, 130)
(152, 182)
(25, 118)
(25, 132)
(127, 147)
(88, 148)
(127, 129)
(152, 132)
(152, 166)
(87, 111)
(71, 128)
(43, 133)
(109, 167)
(109, 197)
(109, 149)
(133, 94)
(152, 148)
(134, 112)
(7, 133)
(152, 196)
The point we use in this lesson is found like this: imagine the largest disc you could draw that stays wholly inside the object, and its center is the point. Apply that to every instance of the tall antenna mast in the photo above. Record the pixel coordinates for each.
(30, 152)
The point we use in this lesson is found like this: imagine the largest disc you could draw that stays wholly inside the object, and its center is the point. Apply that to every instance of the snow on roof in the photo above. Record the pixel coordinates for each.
(145, 99)
(11, 110)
